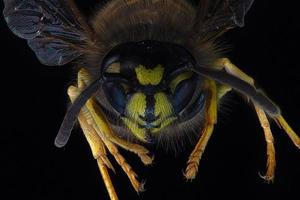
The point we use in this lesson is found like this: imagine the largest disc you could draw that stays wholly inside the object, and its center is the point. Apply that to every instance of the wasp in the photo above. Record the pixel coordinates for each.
(148, 71)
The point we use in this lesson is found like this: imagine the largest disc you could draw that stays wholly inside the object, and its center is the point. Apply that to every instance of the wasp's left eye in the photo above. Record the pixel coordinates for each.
(183, 94)
(178, 79)
(182, 87)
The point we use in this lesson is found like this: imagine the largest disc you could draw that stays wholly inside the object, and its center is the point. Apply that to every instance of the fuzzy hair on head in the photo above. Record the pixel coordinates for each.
(171, 21)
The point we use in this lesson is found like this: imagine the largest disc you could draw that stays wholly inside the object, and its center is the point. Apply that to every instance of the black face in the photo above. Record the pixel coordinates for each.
(148, 53)
(149, 85)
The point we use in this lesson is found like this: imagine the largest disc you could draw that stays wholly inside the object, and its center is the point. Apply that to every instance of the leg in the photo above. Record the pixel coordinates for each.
(98, 116)
(291, 133)
(271, 161)
(96, 145)
(211, 119)
(233, 70)
(125, 166)
(118, 157)
(98, 131)
(224, 63)
(109, 135)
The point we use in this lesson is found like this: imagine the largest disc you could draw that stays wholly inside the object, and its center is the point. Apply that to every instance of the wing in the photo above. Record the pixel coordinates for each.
(216, 16)
(54, 29)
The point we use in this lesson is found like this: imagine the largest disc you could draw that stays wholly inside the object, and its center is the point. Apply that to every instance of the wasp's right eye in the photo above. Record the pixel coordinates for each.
(114, 68)
(116, 95)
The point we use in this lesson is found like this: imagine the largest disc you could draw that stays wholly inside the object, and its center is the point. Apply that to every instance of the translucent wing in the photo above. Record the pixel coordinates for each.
(239, 9)
(54, 29)
(216, 16)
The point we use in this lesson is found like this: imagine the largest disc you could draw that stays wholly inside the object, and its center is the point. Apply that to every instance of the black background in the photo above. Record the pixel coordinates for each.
(35, 102)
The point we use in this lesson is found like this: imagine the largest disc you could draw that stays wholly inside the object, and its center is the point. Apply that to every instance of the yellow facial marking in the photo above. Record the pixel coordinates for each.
(178, 79)
(165, 123)
(162, 105)
(163, 108)
(149, 76)
(136, 107)
(114, 68)
(140, 133)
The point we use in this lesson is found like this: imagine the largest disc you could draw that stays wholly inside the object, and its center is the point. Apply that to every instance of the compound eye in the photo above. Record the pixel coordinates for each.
(116, 95)
(114, 68)
(182, 87)
(183, 94)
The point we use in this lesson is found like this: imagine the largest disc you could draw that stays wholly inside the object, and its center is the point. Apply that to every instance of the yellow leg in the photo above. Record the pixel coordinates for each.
(96, 145)
(142, 152)
(100, 120)
(99, 129)
(211, 119)
(291, 133)
(271, 161)
(122, 162)
(225, 63)
(107, 181)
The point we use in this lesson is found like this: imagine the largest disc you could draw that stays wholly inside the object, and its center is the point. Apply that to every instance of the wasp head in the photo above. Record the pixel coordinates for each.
(150, 88)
